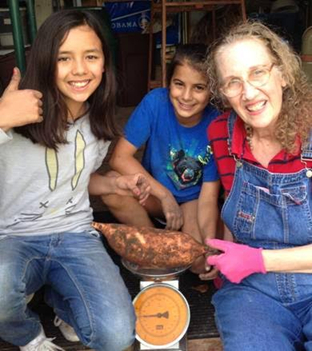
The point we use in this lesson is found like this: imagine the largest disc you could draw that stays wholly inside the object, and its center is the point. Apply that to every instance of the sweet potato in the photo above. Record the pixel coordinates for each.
(151, 247)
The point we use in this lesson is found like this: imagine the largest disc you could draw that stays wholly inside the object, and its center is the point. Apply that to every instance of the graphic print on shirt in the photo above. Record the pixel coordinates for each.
(52, 167)
(185, 168)
(48, 206)
(80, 146)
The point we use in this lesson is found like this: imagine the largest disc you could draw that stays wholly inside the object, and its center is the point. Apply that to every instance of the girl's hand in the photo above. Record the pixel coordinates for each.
(210, 272)
(172, 212)
(204, 271)
(19, 107)
(210, 275)
(133, 185)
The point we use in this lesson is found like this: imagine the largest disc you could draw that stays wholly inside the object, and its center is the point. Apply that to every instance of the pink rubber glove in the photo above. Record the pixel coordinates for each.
(238, 261)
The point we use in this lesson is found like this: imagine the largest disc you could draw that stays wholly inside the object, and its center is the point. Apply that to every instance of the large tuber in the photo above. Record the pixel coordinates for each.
(151, 247)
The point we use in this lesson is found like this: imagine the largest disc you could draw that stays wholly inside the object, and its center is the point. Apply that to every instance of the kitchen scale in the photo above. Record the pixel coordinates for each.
(163, 313)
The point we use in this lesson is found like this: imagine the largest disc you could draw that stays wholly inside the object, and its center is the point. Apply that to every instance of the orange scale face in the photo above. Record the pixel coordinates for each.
(163, 315)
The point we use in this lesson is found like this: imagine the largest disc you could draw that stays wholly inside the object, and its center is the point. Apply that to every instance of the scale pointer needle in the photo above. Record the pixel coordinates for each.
(157, 315)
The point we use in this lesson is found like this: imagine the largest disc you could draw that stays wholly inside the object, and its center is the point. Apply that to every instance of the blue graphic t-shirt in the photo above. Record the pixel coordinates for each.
(178, 157)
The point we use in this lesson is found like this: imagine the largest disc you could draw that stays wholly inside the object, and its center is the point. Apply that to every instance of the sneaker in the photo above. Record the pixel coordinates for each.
(67, 331)
(41, 343)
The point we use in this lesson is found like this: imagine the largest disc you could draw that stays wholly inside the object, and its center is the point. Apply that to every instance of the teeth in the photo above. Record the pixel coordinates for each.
(256, 107)
(187, 107)
(79, 84)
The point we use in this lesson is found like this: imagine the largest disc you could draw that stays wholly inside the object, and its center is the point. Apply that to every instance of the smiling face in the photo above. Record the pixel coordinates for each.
(189, 94)
(259, 107)
(79, 68)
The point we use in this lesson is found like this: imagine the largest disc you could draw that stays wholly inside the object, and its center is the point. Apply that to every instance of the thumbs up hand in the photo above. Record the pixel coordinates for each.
(19, 107)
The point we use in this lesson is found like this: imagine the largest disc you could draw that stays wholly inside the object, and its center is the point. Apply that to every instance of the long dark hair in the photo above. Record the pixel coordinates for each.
(40, 75)
(192, 54)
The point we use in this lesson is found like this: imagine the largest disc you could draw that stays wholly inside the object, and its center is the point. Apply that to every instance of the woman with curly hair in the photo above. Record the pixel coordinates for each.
(263, 149)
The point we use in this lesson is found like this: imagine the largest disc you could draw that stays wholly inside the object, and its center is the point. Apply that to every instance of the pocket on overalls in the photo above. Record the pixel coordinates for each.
(294, 195)
(298, 214)
(245, 212)
(283, 217)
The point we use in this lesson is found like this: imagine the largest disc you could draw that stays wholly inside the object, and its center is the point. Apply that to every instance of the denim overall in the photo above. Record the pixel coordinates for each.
(273, 311)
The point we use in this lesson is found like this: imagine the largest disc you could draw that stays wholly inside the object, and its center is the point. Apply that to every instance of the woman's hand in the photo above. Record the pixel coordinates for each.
(237, 261)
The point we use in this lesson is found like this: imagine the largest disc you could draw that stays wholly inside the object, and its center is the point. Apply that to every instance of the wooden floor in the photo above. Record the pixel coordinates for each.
(213, 344)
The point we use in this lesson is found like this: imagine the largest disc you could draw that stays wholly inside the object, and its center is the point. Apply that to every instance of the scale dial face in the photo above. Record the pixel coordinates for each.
(163, 315)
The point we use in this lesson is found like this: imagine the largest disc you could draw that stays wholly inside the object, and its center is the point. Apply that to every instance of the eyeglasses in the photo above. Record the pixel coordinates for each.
(256, 77)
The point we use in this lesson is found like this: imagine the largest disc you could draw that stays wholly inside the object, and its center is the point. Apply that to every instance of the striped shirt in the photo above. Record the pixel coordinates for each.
(283, 162)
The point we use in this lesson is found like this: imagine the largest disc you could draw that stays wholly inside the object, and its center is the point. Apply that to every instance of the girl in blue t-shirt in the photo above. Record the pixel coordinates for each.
(171, 123)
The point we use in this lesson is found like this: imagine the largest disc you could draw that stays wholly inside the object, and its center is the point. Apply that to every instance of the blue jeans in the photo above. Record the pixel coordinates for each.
(250, 316)
(85, 289)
